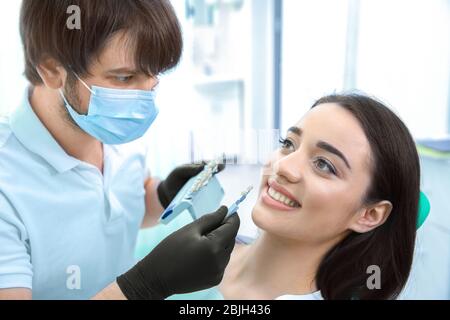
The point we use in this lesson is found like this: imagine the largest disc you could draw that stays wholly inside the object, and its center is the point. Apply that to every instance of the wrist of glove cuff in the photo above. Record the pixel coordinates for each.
(162, 195)
(134, 287)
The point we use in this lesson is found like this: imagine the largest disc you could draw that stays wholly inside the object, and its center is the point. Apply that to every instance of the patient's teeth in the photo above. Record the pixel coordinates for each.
(281, 198)
(272, 191)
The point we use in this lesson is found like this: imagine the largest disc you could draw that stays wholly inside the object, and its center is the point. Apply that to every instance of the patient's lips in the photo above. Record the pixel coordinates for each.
(279, 198)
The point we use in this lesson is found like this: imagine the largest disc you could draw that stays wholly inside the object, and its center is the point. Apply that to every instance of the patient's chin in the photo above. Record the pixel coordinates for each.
(266, 220)
(278, 224)
(258, 216)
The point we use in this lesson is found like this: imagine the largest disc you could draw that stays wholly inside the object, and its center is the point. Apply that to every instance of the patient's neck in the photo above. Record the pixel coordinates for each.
(278, 266)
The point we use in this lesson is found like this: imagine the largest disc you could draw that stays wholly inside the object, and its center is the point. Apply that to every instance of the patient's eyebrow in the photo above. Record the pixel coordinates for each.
(296, 130)
(328, 147)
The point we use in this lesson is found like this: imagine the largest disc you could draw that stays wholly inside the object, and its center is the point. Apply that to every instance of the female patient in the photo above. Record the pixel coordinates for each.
(340, 197)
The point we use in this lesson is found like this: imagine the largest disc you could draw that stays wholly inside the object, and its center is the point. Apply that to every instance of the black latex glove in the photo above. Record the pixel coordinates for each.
(192, 259)
(169, 188)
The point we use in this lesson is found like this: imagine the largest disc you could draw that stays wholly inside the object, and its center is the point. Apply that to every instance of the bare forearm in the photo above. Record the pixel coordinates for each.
(112, 292)
(15, 294)
(153, 207)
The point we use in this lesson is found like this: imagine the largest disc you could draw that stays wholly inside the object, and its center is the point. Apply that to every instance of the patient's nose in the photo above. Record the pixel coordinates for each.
(289, 168)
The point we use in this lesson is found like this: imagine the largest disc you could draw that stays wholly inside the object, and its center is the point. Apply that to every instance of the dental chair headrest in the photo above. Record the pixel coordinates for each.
(424, 209)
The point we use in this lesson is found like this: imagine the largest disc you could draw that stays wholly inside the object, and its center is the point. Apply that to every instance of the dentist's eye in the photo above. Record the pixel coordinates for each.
(324, 166)
(287, 144)
(124, 79)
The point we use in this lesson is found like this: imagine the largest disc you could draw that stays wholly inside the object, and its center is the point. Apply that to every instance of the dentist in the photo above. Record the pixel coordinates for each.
(74, 188)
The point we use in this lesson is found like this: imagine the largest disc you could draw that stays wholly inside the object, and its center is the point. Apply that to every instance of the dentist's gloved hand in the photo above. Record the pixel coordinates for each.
(192, 259)
(169, 188)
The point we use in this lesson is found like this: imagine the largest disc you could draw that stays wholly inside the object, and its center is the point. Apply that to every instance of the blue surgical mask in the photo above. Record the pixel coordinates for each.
(116, 116)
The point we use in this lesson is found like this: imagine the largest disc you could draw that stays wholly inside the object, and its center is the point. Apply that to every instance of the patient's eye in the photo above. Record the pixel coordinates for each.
(287, 144)
(325, 166)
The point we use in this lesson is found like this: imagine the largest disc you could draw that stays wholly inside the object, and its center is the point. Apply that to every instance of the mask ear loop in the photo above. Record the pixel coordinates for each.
(66, 102)
(84, 83)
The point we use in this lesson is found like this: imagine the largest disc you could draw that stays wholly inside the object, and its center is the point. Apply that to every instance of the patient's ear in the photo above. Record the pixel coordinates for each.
(371, 217)
(52, 73)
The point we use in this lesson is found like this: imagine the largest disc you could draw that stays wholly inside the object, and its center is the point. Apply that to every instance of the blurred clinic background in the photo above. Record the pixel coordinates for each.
(252, 67)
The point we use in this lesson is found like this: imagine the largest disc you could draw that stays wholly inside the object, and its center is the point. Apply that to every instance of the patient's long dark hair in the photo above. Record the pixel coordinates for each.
(343, 273)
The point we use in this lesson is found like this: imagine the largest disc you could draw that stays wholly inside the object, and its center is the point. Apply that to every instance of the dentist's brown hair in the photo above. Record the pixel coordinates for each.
(395, 176)
(150, 26)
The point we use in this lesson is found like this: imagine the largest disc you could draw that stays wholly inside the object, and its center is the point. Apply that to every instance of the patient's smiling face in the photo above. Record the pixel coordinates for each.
(324, 168)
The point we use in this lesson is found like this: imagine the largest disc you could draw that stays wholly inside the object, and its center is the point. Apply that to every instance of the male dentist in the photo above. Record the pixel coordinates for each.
(73, 185)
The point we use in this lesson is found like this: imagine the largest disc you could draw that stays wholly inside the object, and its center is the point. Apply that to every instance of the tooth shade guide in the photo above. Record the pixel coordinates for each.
(203, 179)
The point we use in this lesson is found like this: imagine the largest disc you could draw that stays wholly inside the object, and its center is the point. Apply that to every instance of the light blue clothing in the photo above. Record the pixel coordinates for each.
(215, 294)
(59, 215)
(311, 296)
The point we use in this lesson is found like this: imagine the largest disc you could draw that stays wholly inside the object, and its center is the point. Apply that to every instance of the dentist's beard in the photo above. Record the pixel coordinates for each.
(72, 96)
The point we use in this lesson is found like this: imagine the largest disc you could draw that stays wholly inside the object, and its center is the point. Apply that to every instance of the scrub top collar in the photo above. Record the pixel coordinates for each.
(30, 131)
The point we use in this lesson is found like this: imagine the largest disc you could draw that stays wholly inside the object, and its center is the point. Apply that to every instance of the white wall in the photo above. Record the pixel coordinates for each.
(12, 83)
(402, 57)
(314, 43)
